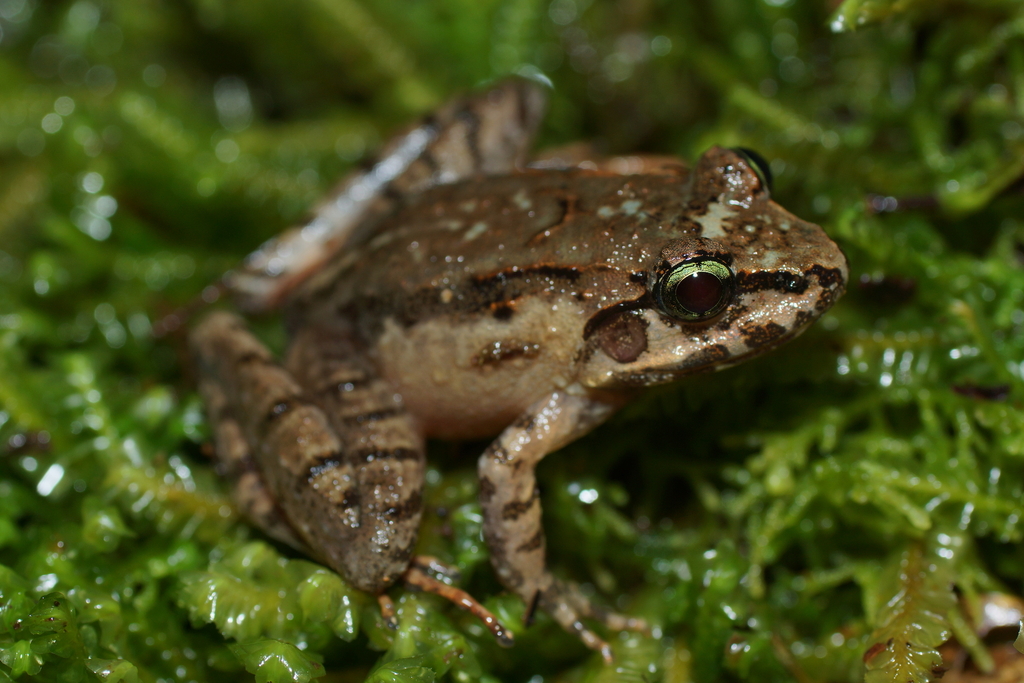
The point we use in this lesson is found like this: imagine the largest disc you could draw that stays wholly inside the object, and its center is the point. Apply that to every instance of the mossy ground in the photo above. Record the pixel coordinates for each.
(861, 487)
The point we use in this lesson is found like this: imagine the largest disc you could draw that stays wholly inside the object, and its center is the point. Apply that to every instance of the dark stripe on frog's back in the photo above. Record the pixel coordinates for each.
(496, 295)
(492, 277)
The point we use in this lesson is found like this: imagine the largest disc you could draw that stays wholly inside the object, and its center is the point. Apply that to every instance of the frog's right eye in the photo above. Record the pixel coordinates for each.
(758, 165)
(695, 290)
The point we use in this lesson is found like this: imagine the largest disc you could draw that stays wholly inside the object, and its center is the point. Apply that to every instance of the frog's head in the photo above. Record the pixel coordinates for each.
(737, 275)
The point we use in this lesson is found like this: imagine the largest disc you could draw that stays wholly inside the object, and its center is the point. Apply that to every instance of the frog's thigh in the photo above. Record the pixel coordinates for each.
(235, 462)
(511, 505)
(485, 133)
(381, 447)
(296, 451)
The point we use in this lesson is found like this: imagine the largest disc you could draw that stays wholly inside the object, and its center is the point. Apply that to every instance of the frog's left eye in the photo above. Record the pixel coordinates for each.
(695, 290)
(757, 164)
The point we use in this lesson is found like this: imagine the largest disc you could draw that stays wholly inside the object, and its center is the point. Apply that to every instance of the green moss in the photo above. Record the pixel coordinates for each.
(276, 661)
(774, 522)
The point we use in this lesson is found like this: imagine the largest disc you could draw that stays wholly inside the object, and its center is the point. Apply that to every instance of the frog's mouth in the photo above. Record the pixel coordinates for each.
(772, 307)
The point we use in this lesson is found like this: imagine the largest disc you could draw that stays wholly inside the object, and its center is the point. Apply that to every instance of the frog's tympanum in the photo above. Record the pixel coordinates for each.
(454, 290)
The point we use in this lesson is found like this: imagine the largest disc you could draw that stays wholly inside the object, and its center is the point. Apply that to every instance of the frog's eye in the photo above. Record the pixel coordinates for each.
(695, 290)
(758, 164)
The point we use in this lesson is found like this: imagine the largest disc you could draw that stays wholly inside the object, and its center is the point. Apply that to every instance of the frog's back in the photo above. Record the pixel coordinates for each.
(474, 296)
(491, 241)
(477, 298)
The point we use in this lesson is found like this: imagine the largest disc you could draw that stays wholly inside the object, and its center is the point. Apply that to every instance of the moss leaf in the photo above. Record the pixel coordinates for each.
(55, 627)
(405, 670)
(912, 621)
(102, 525)
(274, 661)
(254, 592)
(113, 670)
(230, 603)
(323, 596)
(14, 603)
(20, 658)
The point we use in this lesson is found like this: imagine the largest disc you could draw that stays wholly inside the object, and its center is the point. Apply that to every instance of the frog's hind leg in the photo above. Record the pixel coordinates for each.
(382, 463)
(385, 450)
(485, 133)
(336, 494)
(512, 512)
(235, 462)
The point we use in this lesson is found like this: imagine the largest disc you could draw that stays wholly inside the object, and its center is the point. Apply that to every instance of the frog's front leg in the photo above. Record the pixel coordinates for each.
(512, 511)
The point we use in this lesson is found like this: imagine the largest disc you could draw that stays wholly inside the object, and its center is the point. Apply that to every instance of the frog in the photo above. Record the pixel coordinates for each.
(456, 289)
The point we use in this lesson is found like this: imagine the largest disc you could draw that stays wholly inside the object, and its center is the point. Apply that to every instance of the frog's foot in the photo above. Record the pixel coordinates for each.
(416, 577)
(387, 611)
(567, 605)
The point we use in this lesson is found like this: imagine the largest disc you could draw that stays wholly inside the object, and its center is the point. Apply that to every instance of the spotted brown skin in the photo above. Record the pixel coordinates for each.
(474, 300)
(466, 257)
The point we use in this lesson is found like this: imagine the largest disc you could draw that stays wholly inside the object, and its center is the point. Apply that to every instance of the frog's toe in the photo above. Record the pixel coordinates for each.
(569, 606)
(619, 622)
(416, 577)
(387, 611)
(431, 564)
(569, 619)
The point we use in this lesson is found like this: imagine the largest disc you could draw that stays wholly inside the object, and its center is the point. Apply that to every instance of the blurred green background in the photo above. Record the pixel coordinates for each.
(859, 492)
